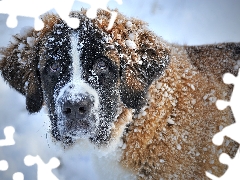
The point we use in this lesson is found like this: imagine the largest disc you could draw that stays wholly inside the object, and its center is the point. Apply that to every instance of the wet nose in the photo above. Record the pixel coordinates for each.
(78, 108)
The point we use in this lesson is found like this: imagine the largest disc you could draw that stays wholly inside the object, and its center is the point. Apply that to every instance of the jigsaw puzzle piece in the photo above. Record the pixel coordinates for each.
(95, 5)
(35, 8)
(5, 8)
(235, 98)
(28, 8)
(63, 8)
(221, 104)
(233, 167)
(3, 165)
(18, 176)
(44, 170)
(232, 148)
(232, 130)
(227, 79)
(8, 132)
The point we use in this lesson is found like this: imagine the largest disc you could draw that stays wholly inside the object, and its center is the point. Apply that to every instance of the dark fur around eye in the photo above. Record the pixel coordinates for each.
(101, 66)
(55, 67)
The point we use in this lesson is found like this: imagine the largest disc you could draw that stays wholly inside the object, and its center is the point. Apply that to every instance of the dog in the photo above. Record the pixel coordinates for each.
(127, 89)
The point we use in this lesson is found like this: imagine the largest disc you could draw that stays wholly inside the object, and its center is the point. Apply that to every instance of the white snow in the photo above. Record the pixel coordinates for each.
(31, 41)
(21, 46)
(193, 101)
(132, 36)
(162, 161)
(130, 44)
(25, 31)
(129, 24)
(26, 85)
(51, 39)
(170, 121)
(213, 99)
(220, 127)
(179, 147)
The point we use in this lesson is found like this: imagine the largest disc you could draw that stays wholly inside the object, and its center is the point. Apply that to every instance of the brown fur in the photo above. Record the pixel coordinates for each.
(19, 69)
(180, 96)
(145, 40)
(186, 95)
(171, 137)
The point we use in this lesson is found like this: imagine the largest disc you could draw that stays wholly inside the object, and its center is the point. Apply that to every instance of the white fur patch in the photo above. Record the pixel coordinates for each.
(76, 85)
(76, 55)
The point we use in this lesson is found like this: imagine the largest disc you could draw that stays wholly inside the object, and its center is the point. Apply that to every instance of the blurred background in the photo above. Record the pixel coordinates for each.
(177, 21)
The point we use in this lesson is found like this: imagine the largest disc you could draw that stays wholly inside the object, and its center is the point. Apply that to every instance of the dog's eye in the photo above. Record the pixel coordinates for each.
(54, 67)
(102, 65)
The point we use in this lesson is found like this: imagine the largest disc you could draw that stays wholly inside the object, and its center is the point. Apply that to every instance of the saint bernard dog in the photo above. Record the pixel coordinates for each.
(128, 88)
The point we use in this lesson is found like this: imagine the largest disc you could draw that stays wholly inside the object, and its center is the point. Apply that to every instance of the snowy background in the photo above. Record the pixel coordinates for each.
(179, 21)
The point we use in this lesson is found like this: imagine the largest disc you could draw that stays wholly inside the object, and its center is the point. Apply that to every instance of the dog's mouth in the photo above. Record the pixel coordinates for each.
(97, 130)
(77, 114)
(80, 123)
(72, 130)
(77, 125)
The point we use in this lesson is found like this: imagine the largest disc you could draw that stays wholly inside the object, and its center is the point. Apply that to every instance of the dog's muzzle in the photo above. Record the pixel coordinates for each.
(78, 109)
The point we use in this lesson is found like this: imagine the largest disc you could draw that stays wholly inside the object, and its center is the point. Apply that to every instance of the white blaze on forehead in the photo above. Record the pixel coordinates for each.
(76, 48)
(79, 85)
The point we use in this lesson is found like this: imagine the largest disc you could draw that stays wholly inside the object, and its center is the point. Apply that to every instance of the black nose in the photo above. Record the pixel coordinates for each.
(78, 107)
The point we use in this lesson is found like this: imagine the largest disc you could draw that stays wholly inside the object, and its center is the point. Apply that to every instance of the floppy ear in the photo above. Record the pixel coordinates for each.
(147, 62)
(19, 67)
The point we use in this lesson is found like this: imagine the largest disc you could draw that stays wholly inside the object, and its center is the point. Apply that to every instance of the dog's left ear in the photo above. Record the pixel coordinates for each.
(19, 67)
(147, 62)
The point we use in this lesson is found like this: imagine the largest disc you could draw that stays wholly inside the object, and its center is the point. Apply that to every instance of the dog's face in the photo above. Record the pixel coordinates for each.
(85, 76)
(80, 82)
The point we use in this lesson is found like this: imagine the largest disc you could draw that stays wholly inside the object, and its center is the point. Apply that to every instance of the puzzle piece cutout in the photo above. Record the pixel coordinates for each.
(233, 172)
(3, 165)
(8, 141)
(96, 4)
(44, 170)
(8, 132)
(35, 8)
(232, 131)
(18, 176)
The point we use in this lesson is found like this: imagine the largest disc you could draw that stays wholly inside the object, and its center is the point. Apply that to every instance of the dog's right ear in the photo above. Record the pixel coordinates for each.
(19, 67)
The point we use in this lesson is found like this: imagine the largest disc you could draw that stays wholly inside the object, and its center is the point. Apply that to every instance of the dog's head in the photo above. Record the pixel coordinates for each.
(87, 77)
